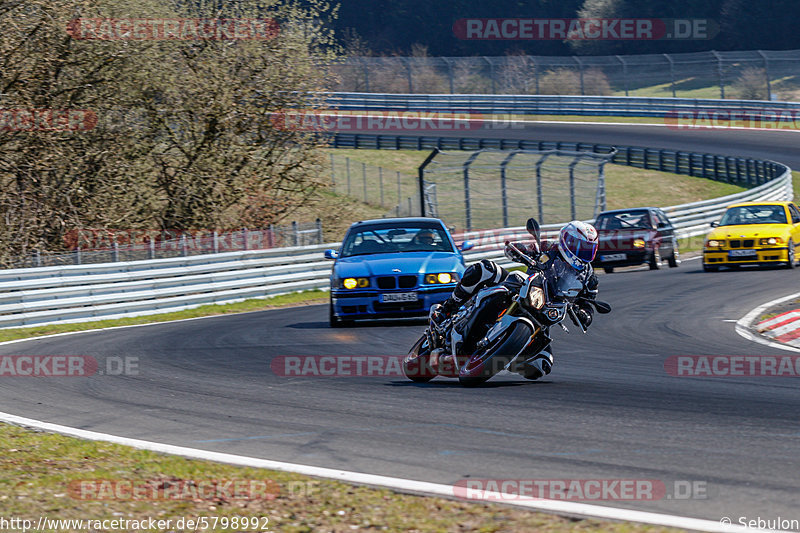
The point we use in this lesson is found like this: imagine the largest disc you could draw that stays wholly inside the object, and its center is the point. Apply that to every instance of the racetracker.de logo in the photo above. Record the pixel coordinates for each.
(66, 366)
(389, 121)
(560, 489)
(180, 29)
(728, 366)
(583, 29)
(49, 120)
(712, 119)
(173, 489)
(338, 366)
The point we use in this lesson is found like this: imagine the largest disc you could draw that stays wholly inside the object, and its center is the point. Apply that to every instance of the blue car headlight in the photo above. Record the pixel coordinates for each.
(441, 278)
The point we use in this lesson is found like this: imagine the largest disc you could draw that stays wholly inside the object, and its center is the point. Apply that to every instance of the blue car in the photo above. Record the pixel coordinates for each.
(390, 268)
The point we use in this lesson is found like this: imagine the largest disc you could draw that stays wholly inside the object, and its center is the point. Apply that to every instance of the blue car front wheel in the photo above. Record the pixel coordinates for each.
(335, 321)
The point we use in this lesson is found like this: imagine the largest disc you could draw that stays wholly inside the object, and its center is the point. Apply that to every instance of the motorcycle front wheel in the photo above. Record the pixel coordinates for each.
(417, 364)
(491, 359)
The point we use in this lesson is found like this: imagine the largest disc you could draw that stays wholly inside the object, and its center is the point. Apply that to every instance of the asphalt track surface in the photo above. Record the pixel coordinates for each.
(609, 410)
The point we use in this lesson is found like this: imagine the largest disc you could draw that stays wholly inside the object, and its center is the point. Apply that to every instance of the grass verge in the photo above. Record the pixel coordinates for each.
(43, 474)
(255, 304)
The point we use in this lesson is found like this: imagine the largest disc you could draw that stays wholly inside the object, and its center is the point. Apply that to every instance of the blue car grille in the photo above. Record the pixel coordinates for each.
(393, 282)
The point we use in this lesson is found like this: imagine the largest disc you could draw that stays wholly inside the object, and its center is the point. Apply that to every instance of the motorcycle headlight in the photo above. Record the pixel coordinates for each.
(352, 283)
(638, 243)
(536, 298)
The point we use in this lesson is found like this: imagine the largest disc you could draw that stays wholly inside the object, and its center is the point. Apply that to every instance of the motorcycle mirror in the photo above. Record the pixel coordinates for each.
(602, 307)
(533, 228)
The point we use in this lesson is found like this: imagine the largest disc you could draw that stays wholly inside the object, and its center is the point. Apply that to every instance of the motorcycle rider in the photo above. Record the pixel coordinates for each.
(576, 246)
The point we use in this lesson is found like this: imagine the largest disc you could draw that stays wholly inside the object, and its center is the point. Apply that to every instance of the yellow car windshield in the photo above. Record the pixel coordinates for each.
(754, 214)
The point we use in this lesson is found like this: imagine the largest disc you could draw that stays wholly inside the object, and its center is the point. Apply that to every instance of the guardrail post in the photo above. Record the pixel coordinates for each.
(295, 235)
(319, 232)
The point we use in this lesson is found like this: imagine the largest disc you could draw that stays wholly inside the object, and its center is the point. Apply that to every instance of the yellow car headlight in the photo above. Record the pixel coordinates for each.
(770, 241)
(441, 277)
(638, 243)
(714, 243)
(352, 283)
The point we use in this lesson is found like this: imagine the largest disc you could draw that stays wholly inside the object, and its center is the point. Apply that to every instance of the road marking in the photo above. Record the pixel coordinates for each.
(743, 324)
(424, 487)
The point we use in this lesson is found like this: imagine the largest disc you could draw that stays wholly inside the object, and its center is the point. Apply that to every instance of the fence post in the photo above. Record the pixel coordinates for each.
(319, 232)
(766, 73)
(333, 173)
(399, 193)
(271, 236)
(421, 179)
(572, 188)
(539, 203)
(77, 258)
(151, 248)
(504, 188)
(295, 236)
(407, 63)
(37, 258)
(671, 73)
(184, 248)
(491, 74)
(450, 74)
(719, 74)
(380, 182)
(115, 252)
(215, 241)
(347, 163)
(244, 239)
(467, 195)
(624, 73)
(580, 66)
(364, 176)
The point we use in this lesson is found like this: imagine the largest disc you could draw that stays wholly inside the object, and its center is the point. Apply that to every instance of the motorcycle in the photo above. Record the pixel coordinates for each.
(510, 321)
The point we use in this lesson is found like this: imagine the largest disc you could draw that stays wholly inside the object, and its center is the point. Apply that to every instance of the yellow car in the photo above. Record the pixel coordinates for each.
(753, 233)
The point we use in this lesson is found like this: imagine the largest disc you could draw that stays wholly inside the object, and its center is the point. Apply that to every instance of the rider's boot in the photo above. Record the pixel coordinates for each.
(539, 365)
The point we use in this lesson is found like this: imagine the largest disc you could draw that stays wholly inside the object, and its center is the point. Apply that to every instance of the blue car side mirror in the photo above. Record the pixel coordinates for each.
(331, 254)
(466, 245)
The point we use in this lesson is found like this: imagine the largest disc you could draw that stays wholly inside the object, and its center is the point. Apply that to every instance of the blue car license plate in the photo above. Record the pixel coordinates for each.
(399, 297)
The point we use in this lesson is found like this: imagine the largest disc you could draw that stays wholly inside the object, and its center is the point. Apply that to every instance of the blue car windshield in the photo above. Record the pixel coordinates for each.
(388, 238)
(754, 214)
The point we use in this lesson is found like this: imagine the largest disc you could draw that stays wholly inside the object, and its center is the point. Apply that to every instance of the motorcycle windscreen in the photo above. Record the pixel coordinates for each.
(565, 281)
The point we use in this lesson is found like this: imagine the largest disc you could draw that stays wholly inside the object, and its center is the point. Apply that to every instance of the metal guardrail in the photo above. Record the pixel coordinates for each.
(77, 293)
(552, 104)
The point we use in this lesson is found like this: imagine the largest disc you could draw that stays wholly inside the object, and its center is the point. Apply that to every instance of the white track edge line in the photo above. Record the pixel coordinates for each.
(435, 489)
(743, 324)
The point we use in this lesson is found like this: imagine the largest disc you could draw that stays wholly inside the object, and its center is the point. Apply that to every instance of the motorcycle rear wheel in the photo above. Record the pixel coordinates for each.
(489, 361)
(417, 364)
